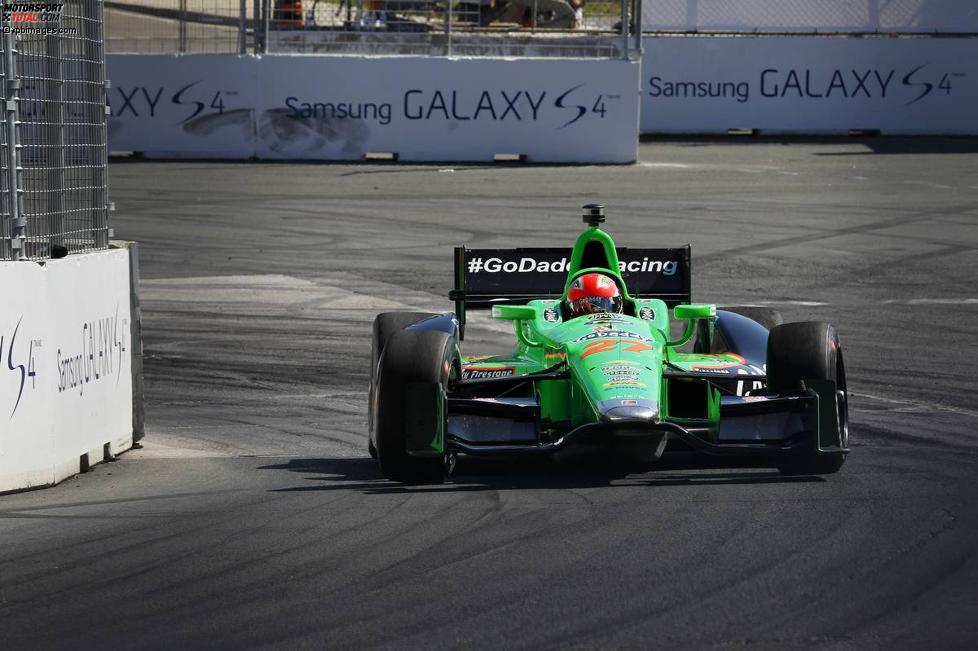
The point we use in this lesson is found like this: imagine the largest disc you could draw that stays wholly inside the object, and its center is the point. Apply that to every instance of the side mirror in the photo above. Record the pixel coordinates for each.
(695, 311)
(514, 312)
(690, 313)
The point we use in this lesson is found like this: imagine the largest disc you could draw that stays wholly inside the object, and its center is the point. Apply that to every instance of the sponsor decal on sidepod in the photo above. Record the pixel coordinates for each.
(487, 372)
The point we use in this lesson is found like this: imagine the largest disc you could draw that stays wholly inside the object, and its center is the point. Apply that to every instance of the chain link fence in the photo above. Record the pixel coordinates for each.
(54, 135)
(469, 27)
(181, 26)
(494, 27)
(812, 17)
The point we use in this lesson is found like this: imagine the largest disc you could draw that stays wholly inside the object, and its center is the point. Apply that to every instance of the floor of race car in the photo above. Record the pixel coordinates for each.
(252, 515)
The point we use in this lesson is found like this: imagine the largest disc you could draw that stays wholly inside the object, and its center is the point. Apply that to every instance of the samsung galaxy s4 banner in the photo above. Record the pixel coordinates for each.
(342, 108)
(810, 85)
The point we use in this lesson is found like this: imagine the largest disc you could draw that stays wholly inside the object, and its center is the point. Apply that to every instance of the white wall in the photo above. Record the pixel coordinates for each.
(810, 84)
(886, 16)
(65, 365)
(340, 108)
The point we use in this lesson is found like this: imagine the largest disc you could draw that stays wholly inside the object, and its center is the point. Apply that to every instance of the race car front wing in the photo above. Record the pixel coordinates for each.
(753, 425)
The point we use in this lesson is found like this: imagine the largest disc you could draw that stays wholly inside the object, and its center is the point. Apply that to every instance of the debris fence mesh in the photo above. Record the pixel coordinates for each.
(54, 134)
(356, 26)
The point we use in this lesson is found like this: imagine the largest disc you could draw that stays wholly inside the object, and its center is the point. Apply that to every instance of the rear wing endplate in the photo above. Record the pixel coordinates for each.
(487, 277)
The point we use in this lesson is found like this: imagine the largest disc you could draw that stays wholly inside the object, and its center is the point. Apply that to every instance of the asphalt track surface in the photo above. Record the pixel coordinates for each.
(252, 516)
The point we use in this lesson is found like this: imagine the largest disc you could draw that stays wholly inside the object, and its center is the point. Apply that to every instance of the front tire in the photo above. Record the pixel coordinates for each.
(386, 324)
(413, 375)
(797, 354)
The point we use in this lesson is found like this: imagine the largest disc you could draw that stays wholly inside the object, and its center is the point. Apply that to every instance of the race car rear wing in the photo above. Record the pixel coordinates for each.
(487, 277)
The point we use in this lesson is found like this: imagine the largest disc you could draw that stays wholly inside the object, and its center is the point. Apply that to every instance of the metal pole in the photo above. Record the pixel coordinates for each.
(94, 52)
(54, 117)
(255, 18)
(533, 18)
(624, 28)
(638, 27)
(448, 27)
(242, 27)
(267, 19)
(182, 28)
(257, 29)
(13, 155)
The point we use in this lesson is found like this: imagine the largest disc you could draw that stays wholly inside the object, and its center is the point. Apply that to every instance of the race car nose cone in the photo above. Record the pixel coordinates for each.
(623, 409)
(617, 414)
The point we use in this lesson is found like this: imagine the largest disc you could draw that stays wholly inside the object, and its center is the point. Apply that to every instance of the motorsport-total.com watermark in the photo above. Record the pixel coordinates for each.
(34, 18)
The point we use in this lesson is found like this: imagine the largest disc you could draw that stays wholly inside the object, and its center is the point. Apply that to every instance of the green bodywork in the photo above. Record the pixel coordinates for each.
(611, 357)
(595, 368)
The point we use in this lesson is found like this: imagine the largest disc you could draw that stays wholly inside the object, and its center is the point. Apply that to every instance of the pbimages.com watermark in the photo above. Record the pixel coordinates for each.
(34, 18)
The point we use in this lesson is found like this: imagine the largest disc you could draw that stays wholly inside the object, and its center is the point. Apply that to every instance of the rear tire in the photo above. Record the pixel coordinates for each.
(797, 353)
(411, 358)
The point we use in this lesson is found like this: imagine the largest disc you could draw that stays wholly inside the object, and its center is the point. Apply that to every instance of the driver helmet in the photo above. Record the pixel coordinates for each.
(593, 293)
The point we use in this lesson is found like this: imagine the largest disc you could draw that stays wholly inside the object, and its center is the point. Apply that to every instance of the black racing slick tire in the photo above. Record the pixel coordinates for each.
(385, 325)
(802, 352)
(412, 359)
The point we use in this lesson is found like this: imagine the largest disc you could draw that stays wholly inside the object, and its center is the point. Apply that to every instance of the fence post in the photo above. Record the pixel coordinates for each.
(54, 153)
(243, 28)
(624, 28)
(182, 27)
(12, 92)
(255, 25)
(266, 10)
(638, 27)
(448, 27)
(95, 52)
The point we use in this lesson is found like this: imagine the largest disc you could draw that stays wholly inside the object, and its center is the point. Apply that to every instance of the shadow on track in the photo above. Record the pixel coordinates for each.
(362, 474)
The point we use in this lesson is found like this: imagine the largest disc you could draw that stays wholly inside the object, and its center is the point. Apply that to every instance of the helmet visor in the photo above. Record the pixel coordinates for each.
(594, 305)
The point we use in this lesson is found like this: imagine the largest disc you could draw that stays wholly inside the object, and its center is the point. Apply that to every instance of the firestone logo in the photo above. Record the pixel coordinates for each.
(487, 372)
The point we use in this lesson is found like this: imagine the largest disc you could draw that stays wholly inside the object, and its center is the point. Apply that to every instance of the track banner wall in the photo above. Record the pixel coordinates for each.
(65, 366)
(341, 107)
(810, 85)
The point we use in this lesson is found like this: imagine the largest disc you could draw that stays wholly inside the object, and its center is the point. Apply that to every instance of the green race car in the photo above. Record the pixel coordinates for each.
(595, 368)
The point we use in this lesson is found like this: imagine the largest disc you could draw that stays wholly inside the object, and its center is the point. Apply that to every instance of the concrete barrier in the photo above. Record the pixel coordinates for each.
(66, 366)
